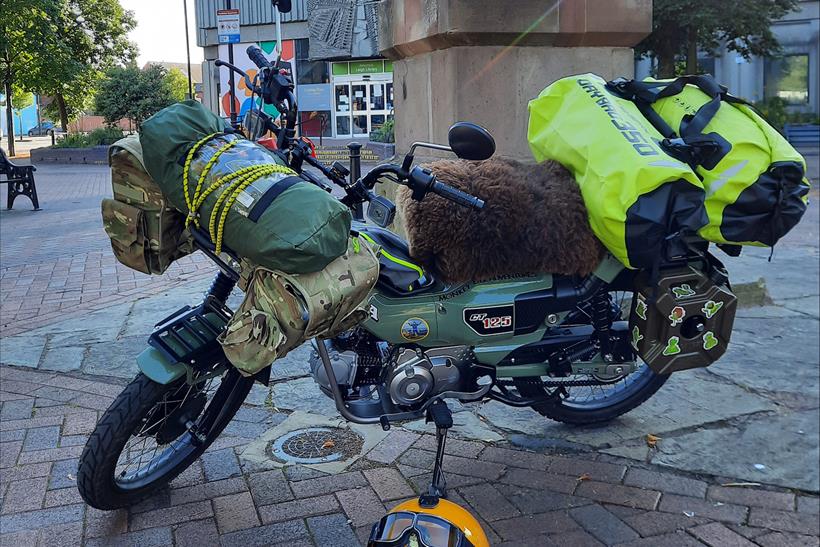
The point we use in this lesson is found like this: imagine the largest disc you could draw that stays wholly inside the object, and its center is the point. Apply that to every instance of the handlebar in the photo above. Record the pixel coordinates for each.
(455, 195)
(258, 57)
(421, 181)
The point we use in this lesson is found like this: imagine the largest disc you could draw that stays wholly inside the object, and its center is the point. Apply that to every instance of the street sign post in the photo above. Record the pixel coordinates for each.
(227, 24)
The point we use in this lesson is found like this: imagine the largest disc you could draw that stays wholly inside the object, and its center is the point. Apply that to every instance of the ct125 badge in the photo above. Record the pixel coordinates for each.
(415, 329)
(491, 320)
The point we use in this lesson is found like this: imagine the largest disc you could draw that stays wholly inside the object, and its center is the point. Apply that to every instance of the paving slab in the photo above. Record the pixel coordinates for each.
(302, 394)
(688, 399)
(779, 449)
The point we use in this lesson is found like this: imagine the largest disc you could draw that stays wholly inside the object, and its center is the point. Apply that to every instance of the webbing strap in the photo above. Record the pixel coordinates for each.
(271, 194)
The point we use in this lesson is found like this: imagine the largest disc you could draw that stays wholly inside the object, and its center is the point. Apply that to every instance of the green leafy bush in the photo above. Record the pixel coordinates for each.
(98, 137)
(775, 110)
(385, 133)
(105, 135)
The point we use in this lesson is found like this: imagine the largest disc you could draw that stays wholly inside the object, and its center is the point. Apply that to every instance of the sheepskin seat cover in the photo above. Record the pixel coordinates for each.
(533, 220)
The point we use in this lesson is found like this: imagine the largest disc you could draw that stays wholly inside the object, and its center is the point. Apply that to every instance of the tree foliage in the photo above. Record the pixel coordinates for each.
(137, 94)
(681, 28)
(59, 48)
(177, 83)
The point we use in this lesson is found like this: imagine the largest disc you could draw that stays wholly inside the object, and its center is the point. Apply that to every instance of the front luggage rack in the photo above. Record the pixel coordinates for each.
(189, 335)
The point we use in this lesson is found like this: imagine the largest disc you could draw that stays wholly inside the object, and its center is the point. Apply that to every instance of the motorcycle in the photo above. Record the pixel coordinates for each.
(559, 345)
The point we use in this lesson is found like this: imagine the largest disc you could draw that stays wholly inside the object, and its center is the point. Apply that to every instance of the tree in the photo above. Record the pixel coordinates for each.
(134, 94)
(20, 100)
(178, 84)
(681, 28)
(23, 24)
(59, 48)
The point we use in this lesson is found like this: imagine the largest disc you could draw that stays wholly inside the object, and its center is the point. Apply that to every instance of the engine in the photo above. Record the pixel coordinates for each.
(409, 376)
(416, 375)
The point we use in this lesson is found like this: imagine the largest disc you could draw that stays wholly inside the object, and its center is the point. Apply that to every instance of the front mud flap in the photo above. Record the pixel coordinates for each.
(158, 367)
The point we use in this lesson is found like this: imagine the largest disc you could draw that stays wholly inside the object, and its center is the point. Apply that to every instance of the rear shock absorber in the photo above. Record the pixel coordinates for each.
(221, 287)
(602, 321)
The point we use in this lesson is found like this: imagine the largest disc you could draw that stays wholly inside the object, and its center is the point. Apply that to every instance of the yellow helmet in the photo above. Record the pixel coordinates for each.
(445, 524)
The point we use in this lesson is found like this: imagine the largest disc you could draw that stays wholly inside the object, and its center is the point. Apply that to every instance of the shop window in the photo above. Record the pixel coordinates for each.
(343, 125)
(389, 94)
(376, 121)
(359, 125)
(787, 77)
(359, 98)
(315, 123)
(377, 96)
(307, 71)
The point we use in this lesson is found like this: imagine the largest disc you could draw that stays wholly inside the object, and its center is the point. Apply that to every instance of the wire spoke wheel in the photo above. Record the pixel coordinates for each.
(593, 398)
(164, 432)
(152, 432)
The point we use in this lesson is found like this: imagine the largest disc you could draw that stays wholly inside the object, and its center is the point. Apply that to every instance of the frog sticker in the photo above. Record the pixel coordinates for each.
(683, 291)
(677, 315)
(672, 346)
(636, 337)
(709, 340)
(640, 308)
(711, 308)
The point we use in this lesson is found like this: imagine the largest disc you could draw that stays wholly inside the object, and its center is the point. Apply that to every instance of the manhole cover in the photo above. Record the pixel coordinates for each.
(315, 445)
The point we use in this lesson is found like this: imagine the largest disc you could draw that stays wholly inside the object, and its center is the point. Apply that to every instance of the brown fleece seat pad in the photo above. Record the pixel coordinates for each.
(534, 220)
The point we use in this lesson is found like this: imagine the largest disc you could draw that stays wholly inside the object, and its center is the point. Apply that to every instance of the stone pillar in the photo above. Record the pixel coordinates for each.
(483, 60)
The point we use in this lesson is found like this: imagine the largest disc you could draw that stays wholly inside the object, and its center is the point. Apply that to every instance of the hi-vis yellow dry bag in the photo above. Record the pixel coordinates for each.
(756, 190)
(641, 201)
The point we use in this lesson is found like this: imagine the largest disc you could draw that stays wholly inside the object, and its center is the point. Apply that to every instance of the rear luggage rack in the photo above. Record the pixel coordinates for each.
(189, 335)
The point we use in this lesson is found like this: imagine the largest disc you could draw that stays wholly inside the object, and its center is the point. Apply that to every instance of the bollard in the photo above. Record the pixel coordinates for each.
(355, 151)
(51, 132)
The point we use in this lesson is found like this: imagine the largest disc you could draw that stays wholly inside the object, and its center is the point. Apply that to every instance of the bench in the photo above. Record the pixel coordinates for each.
(20, 179)
(802, 134)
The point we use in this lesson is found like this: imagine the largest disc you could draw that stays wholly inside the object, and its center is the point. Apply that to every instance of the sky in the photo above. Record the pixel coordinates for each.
(160, 30)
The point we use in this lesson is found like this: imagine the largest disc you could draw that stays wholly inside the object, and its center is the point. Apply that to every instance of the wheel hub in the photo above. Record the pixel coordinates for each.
(177, 422)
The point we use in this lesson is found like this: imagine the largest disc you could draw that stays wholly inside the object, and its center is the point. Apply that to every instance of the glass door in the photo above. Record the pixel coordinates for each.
(378, 104)
(359, 108)
(341, 100)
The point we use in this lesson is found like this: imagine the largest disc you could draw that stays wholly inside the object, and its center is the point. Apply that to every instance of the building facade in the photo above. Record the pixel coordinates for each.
(344, 89)
(793, 76)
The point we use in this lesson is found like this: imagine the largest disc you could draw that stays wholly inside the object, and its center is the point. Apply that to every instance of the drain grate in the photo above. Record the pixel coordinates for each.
(315, 445)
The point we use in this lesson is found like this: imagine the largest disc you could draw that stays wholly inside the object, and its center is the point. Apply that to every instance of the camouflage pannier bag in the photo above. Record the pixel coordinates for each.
(280, 311)
(147, 234)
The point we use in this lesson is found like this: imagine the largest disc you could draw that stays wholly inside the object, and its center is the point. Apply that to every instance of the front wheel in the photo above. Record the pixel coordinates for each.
(152, 432)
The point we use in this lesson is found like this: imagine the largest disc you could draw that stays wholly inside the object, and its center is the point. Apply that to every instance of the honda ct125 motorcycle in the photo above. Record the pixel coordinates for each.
(564, 346)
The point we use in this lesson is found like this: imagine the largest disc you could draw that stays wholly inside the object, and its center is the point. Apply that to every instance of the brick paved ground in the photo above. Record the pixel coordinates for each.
(522, 498)
(57, 261)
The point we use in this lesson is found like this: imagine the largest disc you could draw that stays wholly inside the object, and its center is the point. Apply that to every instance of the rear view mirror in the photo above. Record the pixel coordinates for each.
(470, 141)
(284, 6)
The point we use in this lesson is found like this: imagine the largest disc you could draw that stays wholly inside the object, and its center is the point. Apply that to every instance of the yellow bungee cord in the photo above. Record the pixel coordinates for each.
(236, 182)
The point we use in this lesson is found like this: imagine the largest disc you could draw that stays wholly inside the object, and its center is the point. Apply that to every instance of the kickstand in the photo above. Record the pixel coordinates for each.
(438, 413)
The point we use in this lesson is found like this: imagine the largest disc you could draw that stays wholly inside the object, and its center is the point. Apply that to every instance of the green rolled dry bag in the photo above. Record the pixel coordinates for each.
(756, 189)
(641, 201)
(273, 218)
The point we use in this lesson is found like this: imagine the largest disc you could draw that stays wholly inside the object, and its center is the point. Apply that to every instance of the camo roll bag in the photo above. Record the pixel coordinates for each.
(280, 311)
(147, 234)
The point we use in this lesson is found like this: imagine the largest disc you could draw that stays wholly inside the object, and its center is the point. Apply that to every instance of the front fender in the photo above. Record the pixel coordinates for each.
(154, 364)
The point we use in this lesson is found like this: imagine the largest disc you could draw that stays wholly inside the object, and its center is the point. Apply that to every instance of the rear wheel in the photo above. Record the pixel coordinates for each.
(146, 437)
(586, 399)
(591, 404)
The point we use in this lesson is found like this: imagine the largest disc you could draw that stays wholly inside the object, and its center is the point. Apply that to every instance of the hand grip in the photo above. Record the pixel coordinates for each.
(454, 194)
(258, 57)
